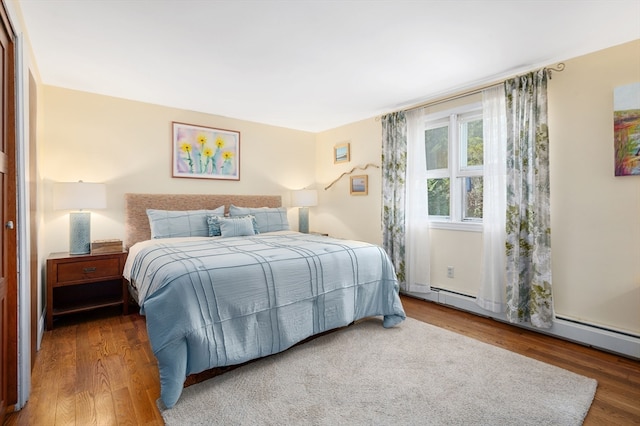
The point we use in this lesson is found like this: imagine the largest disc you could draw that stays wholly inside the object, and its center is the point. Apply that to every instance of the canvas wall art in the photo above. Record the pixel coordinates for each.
(626, 128)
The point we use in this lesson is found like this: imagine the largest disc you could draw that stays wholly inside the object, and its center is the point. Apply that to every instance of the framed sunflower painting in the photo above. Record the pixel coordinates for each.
(205, 152)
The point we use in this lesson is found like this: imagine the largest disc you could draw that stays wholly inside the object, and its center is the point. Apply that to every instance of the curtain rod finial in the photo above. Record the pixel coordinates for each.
(559, 68)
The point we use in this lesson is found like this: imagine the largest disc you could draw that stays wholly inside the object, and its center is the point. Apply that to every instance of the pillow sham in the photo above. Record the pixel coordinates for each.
(236, 227)
(214, 223)
(180, 223)
(269, 219)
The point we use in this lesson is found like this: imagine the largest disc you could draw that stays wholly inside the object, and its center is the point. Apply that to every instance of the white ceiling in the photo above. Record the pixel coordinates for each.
(309, 65)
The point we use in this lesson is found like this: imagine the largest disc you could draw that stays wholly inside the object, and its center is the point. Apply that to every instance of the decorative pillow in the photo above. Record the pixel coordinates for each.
(214, 223)
(186, 223)
(237, 226)
(268, 219)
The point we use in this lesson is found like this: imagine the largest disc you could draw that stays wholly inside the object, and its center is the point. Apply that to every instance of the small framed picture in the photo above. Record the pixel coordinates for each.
(341, 153)
(359, 185)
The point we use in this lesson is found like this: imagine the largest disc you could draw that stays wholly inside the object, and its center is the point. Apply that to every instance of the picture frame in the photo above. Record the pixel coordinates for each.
(359, 185)
(341, 153)
(202, 152)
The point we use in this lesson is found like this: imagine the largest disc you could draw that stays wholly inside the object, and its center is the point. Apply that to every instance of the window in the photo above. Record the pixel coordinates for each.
(454, 157)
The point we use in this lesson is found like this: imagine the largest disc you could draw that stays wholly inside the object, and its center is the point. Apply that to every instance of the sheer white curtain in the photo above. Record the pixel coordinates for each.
(492, 294)
(416, 215)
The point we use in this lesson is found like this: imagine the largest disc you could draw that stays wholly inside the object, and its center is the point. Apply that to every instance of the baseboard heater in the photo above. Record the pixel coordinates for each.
(621, 343)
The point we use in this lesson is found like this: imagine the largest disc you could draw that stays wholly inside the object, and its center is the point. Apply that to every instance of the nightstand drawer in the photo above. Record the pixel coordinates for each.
(71, 272)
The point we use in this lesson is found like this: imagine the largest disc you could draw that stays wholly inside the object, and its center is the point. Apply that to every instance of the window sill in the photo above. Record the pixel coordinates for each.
(456, 226)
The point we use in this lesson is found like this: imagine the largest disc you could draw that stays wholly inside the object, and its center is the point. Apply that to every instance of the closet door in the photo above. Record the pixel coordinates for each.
(8, 242)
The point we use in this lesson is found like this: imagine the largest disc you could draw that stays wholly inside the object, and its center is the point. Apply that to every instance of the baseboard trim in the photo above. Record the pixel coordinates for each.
(584, 334)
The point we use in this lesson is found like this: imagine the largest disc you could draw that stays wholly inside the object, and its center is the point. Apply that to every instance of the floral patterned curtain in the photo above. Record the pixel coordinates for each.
(394, 166)
(528, 239)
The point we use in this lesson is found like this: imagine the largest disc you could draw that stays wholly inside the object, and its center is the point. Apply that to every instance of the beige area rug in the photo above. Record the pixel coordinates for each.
(413, 374)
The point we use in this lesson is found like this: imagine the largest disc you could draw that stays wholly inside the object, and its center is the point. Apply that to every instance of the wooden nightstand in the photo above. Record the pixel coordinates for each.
(77, 283)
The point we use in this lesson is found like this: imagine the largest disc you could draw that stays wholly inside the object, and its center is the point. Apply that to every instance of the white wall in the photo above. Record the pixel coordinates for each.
(127, 145)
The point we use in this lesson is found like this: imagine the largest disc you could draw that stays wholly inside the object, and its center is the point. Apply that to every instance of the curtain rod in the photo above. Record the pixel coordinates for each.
(559, 68)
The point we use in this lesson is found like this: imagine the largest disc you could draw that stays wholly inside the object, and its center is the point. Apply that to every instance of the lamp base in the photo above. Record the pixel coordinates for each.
(79, 232)
(303, 220)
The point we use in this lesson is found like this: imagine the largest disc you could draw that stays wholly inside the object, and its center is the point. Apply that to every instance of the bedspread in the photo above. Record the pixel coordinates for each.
(214, 302)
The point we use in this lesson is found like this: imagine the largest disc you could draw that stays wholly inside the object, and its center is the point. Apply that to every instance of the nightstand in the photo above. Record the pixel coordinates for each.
(77, 283)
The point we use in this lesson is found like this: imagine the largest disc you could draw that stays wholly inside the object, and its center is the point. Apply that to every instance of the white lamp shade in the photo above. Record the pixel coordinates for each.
(304, 198)
(79, 195)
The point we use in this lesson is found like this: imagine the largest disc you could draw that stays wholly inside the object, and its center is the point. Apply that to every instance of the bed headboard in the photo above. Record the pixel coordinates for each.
(136, 205)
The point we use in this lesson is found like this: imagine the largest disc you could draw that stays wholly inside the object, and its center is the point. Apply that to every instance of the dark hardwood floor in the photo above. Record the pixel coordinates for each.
(99, 368)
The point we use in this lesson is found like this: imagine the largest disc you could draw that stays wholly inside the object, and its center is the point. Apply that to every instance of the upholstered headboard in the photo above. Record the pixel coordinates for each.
(135, 208)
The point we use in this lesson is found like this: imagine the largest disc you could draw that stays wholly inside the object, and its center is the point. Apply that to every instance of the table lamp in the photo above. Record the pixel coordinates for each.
(304, 198)
(78, 196)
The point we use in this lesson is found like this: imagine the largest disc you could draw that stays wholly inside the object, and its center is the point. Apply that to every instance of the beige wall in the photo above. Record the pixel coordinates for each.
(127, 145)
(595, 216)
(338, 213)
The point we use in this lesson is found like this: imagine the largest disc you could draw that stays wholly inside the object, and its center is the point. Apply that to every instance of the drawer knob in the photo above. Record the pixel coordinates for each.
(89, 270)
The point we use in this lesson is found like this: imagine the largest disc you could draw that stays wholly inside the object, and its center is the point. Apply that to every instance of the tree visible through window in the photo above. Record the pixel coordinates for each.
(454, 151)
(472, 201)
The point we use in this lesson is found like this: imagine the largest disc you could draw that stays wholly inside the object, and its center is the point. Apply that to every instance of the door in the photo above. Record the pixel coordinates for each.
(8, 243)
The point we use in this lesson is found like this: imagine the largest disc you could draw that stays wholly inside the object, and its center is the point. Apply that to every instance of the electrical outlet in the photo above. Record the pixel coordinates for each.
(450, 273)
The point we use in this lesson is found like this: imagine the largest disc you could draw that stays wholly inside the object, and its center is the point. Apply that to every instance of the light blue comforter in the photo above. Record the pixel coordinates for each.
(224, 301)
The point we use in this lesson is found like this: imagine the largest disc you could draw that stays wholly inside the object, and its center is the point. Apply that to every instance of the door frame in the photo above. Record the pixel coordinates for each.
(24, 240)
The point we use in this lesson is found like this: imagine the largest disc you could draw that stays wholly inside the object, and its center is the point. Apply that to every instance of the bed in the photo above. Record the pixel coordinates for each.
(252, 289)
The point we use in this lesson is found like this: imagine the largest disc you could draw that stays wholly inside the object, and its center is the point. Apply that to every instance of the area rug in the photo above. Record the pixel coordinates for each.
(412, 374)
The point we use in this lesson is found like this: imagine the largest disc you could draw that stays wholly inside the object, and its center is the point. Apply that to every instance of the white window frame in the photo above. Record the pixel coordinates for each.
(455, 171)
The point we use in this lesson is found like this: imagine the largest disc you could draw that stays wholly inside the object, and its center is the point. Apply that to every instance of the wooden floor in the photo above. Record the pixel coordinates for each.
(100, 369)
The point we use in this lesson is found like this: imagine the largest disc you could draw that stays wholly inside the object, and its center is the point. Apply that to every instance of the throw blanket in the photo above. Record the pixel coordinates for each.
(213, 302)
